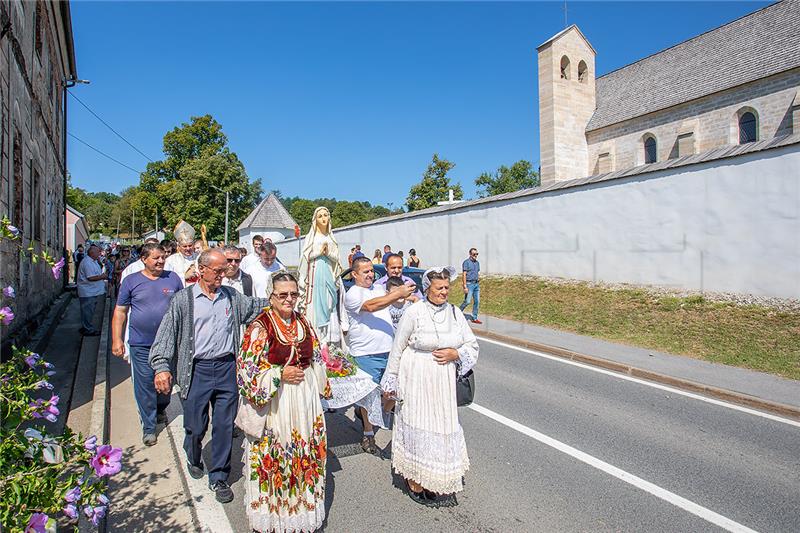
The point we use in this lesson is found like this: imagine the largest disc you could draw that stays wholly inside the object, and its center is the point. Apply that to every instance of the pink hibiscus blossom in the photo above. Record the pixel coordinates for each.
(6, 315)
(37, 523)
(9, 292)
(57, 268)
(108, 460)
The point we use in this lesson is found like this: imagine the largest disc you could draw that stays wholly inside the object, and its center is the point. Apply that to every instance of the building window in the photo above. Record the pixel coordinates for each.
(748, 132)
(565, 68)
(583, 72)
(650, 150)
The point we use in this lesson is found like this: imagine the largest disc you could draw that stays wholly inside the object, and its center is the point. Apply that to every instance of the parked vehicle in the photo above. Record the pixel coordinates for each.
(380, 271)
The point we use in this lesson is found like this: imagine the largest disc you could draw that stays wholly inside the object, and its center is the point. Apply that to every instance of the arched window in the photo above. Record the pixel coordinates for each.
(748, 131)
(564, 68)
(650, 155)
(583, 71)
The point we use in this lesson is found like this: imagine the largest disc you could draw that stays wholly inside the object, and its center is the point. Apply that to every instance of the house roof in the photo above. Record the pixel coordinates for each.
(270, 213)
(562, 32)
(723, 152)
(758, 45)
(75, 212)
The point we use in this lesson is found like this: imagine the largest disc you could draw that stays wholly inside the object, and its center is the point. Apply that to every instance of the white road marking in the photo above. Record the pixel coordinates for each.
(687, 505)
(210, 513)
(648, 383)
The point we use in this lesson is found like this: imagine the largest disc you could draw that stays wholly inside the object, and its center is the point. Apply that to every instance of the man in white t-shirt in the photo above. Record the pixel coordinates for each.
(91, 287)
(261, 270)
(371, 332)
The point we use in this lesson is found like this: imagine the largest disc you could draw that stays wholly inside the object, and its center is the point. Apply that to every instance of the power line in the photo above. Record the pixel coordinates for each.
(109, 126)
(103, 153)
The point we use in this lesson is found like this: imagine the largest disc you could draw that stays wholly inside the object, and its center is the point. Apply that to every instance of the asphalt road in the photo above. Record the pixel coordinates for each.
(587, 452)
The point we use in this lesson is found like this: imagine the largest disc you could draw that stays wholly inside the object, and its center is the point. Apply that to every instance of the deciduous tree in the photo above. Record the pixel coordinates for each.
(434, 186)
(508, 179)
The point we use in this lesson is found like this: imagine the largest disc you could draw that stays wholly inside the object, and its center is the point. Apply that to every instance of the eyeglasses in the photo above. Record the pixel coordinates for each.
(231, 260)
(286, 295)
(218, 272)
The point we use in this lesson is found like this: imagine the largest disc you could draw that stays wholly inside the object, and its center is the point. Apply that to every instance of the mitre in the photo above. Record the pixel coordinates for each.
(184, 233)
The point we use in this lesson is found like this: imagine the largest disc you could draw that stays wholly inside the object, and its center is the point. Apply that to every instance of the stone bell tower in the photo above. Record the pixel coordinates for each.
(566, 103)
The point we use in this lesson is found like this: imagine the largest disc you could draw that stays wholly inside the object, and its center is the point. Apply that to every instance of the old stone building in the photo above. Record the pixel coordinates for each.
(37, 63)
(735, 84)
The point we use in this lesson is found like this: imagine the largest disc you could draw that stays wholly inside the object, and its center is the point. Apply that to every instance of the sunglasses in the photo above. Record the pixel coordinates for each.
(286, 295)
(231, 260)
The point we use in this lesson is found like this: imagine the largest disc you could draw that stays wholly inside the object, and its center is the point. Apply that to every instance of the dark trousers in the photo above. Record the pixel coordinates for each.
(88, 304)
(214, 384)
(148, 400)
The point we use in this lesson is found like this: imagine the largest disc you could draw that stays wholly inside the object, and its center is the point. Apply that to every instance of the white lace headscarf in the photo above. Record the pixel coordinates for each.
(427, 282)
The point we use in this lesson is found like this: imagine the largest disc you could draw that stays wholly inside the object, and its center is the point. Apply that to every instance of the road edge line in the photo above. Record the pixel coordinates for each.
(679, 383)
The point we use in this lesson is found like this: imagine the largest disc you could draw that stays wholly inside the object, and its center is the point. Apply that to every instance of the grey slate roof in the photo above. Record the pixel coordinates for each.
(722, 152)
(270, 213)
(758, 45)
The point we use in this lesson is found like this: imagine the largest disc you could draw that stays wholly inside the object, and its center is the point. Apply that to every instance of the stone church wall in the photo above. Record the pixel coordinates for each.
(31, 128)
(704, 124)
(730, 225)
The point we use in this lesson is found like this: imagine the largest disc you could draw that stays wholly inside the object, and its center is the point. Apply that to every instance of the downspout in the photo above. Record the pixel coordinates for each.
(67, 84)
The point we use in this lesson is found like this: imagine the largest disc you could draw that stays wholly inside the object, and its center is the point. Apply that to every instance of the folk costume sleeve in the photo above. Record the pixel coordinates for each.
(257, 379)
(401, 338)
(468, 351)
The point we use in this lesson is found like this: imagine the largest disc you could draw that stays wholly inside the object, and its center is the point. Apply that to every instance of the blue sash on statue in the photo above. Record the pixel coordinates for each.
(324, 286)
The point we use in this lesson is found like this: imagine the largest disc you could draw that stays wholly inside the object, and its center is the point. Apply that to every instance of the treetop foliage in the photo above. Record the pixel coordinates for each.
(434, 187)
(508, 179)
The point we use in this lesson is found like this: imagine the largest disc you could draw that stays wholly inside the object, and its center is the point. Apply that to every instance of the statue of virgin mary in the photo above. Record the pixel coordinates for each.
(320, 287)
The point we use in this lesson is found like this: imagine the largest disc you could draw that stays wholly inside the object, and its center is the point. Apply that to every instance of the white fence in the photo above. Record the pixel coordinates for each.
(727, 225)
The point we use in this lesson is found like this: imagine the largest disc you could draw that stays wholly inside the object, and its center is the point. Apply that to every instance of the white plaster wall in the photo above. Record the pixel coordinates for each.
(246, 236)
(731, 225)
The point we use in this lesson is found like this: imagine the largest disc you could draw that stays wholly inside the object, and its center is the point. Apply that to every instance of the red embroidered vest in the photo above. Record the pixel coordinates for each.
(280, 349)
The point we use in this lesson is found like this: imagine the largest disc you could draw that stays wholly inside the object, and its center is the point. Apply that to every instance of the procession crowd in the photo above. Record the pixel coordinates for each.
(269, 351)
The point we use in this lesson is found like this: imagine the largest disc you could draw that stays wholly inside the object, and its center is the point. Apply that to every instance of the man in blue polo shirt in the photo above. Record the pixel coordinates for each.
(147, 295)
(469, 282)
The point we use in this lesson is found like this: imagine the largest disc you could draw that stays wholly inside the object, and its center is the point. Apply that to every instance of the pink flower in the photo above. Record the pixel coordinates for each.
(73, 495)
(32, 359)
(71, 511)
(91, 443)
(108, 461)
(6, 315)
(37, 523)
(8, 292)
(45, 408)
(57, 268)
(14, 230)
(324, 353)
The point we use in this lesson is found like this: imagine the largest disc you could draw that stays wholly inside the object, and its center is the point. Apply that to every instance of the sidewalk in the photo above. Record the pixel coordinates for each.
(739, 385)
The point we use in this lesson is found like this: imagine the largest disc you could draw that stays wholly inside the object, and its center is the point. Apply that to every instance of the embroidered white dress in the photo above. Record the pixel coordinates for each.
(428, 444)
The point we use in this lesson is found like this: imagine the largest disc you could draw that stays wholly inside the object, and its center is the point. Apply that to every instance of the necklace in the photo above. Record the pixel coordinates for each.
(289, 331)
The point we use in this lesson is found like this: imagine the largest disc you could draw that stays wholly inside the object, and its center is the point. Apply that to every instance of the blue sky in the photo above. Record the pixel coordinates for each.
(345, 100)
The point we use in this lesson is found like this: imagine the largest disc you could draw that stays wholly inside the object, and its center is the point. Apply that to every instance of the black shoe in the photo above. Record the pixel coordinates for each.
(368, 444)
(195, 471)
(222, 490)
(419, 497)
(161, 418)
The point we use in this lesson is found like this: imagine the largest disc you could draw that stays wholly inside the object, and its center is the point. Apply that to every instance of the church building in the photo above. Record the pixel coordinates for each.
(735, 84)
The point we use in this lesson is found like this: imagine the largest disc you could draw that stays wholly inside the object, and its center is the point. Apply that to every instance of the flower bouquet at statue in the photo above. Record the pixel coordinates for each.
(338, 363)
(351, 386)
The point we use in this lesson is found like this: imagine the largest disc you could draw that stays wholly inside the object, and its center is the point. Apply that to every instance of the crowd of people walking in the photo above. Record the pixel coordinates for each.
(252, 345)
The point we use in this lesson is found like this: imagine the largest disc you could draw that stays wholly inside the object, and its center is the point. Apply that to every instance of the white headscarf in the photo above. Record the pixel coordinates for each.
(427, 282)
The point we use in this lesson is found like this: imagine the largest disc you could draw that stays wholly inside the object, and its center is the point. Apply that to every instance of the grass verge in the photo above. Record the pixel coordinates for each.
(748, 336)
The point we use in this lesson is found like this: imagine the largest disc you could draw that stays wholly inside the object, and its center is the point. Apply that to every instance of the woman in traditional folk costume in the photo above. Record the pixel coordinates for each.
(320, 286)
(433, 344)
(280, 374)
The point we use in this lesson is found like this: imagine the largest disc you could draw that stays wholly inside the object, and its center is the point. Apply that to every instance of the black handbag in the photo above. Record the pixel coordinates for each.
(465, 389)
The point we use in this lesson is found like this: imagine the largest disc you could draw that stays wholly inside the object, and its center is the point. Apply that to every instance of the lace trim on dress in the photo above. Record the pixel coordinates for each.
(389, 383)
(436, 461)
(467, 358)
(349, 390)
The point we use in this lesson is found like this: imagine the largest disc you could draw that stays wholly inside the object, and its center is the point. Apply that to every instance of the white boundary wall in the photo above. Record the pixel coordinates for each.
(730, 225)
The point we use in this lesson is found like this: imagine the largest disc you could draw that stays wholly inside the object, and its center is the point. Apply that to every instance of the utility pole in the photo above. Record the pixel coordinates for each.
(133, 220)
(157, 223)
(227, 202)
(119, 217)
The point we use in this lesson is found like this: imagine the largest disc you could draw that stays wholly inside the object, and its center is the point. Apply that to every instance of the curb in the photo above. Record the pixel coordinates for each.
(738, 398)
(101, 399)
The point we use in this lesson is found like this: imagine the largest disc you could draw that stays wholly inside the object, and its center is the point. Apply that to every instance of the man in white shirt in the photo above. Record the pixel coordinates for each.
(371, 332)
(250, 259)
(91, 287)
(234, 277)
(260, 271)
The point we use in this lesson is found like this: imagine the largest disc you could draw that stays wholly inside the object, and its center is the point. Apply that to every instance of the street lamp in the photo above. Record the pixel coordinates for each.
(227, 203)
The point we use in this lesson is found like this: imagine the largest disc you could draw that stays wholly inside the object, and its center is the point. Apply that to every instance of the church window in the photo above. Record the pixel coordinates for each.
(650, 150)
(747, 128)
(583, 72)
(564, 68)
